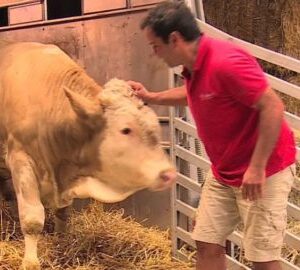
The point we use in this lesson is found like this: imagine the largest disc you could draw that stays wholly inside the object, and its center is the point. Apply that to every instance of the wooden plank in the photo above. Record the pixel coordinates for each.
(259, 52)
(90, 6)
(25, 13)
(6, 3)
(135, 3)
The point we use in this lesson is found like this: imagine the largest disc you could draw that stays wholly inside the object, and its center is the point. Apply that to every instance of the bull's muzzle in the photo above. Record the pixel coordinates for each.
(166, 179)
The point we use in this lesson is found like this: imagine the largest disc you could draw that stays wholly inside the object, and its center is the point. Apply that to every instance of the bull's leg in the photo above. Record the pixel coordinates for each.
(31, 210)
(61, 217)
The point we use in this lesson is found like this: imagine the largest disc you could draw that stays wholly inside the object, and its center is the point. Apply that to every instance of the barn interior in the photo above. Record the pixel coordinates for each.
(150, 230)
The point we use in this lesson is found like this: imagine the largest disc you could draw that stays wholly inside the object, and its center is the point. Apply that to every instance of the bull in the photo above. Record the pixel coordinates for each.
(63, 136)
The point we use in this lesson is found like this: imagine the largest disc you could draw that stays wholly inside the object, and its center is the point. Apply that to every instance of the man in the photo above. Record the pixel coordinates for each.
(239, 118)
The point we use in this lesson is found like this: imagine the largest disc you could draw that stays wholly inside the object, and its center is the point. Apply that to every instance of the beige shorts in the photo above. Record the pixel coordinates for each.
(222, 207)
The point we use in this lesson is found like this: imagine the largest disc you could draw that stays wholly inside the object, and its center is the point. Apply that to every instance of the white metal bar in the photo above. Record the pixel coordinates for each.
(288, 266)
(284, 86)
(185, 236)
(280, 85)
(236, 237)
(186, 209)
(292, 240)
(262, 53)
(233, 264)
(190, 129)
(200, 10)
(188, 183)
(164, 119)
(296, 184)
(293, 211)
(185, 127)
(172, 114)
(293, 120)
(192, 158)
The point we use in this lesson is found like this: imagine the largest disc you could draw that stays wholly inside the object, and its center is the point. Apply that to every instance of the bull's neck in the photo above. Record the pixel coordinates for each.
(76, 80)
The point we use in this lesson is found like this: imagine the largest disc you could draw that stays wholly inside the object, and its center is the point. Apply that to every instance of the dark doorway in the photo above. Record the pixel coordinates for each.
(3, 16)
(63, 8)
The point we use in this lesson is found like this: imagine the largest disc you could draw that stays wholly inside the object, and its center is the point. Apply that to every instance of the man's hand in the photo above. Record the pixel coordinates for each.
(253, 182)
(140, 91)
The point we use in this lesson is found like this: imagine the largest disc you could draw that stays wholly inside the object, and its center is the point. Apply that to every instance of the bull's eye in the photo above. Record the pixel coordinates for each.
(126, 131)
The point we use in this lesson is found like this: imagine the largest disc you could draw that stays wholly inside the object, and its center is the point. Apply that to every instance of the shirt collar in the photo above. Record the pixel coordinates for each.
(202, 49)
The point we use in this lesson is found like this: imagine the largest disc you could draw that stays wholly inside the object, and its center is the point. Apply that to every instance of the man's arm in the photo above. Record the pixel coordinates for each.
(271, 110)
(171, 97)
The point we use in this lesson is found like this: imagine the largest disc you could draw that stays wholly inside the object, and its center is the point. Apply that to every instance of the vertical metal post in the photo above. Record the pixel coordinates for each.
(173, 158)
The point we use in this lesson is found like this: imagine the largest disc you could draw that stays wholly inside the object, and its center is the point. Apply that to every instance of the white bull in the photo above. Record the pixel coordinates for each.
(65, 137)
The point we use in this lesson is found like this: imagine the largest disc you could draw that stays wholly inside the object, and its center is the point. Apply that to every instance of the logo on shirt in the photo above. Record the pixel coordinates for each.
(207, 96)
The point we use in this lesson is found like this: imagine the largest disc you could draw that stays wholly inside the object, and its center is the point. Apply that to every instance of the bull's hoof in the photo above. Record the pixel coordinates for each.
(30, 265)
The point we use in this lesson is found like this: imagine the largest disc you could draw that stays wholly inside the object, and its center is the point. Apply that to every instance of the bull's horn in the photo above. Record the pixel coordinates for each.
(89, 111)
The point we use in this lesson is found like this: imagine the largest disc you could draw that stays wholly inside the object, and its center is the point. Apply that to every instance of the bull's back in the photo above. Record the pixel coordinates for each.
(28, 78)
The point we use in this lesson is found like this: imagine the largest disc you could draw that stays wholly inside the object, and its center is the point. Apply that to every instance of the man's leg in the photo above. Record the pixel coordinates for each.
(217, 217)
(210, 256)
(273, 265)
(265, 221)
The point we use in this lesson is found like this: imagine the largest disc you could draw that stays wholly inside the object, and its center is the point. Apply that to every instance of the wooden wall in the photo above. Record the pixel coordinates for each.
(107, 47)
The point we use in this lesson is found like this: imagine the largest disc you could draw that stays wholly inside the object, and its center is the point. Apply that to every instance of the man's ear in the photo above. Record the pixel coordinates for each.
(174, 37)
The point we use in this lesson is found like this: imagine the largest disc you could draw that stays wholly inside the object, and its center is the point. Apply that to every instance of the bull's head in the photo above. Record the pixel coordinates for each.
(129, 153)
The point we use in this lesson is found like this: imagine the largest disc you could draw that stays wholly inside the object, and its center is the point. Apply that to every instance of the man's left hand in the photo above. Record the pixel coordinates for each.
(252, 186)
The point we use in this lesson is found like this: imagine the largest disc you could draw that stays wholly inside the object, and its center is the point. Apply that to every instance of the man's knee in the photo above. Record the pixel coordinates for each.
(209, 250)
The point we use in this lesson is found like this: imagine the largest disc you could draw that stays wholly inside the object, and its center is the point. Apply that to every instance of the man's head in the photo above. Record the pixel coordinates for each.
(169, 27)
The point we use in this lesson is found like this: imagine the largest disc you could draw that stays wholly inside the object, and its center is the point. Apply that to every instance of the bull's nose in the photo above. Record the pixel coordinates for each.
(168, 177)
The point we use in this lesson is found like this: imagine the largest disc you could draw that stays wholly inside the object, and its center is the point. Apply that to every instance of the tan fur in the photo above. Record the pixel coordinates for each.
(62, 136)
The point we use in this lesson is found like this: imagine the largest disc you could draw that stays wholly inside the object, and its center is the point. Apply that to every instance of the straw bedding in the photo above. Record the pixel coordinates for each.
(96, 240)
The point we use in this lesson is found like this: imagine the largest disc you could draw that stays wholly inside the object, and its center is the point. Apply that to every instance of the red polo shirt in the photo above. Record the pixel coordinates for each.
(226, 82)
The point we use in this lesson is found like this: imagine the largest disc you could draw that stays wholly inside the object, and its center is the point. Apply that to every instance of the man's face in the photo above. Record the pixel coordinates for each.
(165, 51)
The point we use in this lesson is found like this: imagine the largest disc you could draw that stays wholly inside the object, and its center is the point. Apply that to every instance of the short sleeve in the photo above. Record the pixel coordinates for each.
(242, 77)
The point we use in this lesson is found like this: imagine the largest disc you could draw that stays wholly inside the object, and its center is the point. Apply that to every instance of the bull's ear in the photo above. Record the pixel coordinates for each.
(89, 111)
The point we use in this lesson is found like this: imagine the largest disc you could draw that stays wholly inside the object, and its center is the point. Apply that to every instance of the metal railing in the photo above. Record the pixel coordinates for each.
(183, 211)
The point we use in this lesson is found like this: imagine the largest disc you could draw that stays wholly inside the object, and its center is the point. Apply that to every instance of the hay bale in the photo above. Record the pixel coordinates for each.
(272, 24)
(96, 240)
(291, 28)
(258, 22)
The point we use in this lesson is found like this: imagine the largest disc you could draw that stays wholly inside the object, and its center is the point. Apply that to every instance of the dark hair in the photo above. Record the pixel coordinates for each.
(168, 17)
